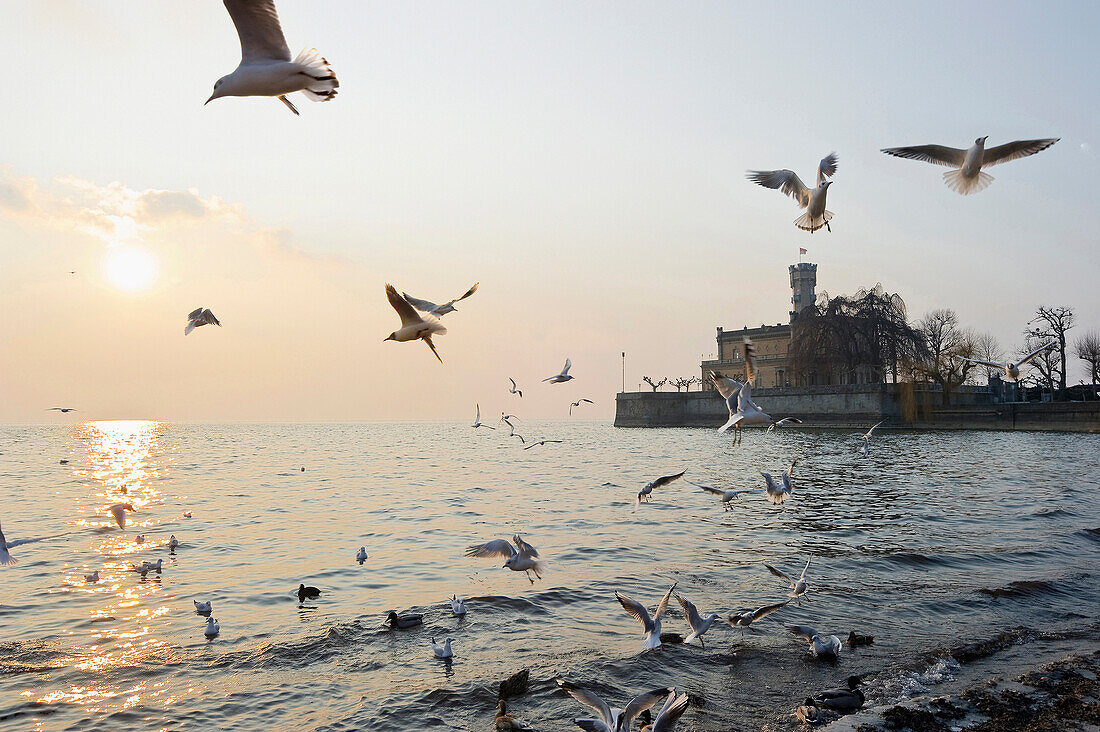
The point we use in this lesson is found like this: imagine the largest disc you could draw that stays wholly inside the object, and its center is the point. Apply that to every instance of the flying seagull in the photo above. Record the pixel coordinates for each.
(199, 317)
(783, 422)
(743, 410)
(438, 310)
(799, 587)
(541, 442)
(612, 719)
(775, 493)
(514, 389)
(521, 558)
(673, 709)
(746, 618)
(578, 403)
(266, 69)
(6, 558)
(650, 626)
(477, 420)
(647, 489)
(63, 410)
(413, 326)
(563, 376)
(724, 496)
(118, 510)
(968, 177)
(699, 625)
(1012, 370)
(867, 440)
(812, 200)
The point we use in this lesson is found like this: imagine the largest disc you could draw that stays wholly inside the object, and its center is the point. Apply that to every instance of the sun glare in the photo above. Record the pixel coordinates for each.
(130, 268)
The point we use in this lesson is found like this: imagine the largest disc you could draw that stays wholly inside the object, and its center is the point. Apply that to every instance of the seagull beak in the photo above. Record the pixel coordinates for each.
(208, 100)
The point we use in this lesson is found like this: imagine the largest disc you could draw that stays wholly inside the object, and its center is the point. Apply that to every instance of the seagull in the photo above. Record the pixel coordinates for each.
(777, 494)
(199, 317)
(724, 496)
(612, 719)
(203, 608)
(968, 177)
(458, 607)
(142, 569)
(541, 442)
(726, 386)
(173, 542)
(118, 510)
(187, 514)
(93, 577)
(442, 651)
(307, 593)
(646, 490)
(673, 709)
(140, 538)
(1012, 370)
(743, 410)
(212, 628)
(512, 431)
(650, 626)
(63, 410)
(477, 420)
(563, 376)
(438, 310)
(746, 618)
(266, 69)
(361, 555)
(521, 558)
(699, 625)
(799, 587)
(821, 646)
(783, 422)
(503, 721)
(413, 326)
(867, 440)
(577, 404)
(812, 200)
(514, 389)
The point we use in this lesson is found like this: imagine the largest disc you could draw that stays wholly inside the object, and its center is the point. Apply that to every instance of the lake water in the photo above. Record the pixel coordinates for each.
(935, 541)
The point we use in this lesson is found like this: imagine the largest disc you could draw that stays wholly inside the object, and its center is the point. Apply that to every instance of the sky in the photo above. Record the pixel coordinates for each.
(585, 162)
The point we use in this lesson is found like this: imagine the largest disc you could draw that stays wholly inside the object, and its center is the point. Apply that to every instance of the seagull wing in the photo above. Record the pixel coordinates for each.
(690, 612)
(428, 307)
(20, 542)
(469, 292)
(805, 568)
(826, 168)
(494, 548)
(568, 365)
(763, 612)
(589, 699)
(1015, 150)
(725, 385)
(803, 630)
(586, 400)
(524, 548)
(642, 702)
(777, 573)
(935, 154)
(404, 309)
(744, 399)
(672, 711)
(194, 313)
(1035, 353)
(868, 435)
(663, 606)
(665, 480)
(750, 365)
(513, 382)
(209, 318)
(637, 611)
(784, 180)
(709, 489)
(259, 30)
(770, 481)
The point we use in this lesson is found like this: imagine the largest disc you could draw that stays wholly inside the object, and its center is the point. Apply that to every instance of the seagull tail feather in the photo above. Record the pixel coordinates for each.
(959, 183)
(323, 83)
(811, 223)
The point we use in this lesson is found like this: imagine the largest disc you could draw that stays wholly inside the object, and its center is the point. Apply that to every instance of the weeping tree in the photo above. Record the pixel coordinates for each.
(869, 329)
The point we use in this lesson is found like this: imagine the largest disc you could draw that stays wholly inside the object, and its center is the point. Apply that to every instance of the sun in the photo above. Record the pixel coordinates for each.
(130, 268)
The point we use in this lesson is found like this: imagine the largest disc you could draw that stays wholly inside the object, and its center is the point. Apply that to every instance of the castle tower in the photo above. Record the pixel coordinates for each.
(803, 281)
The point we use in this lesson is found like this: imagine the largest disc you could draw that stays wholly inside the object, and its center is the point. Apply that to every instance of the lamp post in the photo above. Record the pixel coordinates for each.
(624, 372)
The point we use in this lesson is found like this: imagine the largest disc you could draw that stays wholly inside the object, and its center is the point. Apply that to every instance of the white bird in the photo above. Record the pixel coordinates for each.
(666, 719)
(699, 625)
(212, 628)
(1012, 370)
(577, 404)
(746, 618)
(199, 317)
(724, 496)
(784, 422)
(140, 538)
(413, 326)
(93, 577)
(142, 569)
(650, 626)
(442, 651)
(563, 376)
(361, 555)
(203, 608)
(867, 440)
(458, 607)
(742, 409)
(146, 567)
(870, 431)
(521, 558)
(118, 510)
(821, 646)
(799, 587)
(173, 542)
(266, 69)
(438, 310)
(968, 177)
(777, 494)
(514, 389)
(726, 386)
(813, 200)
(612, 719)
(477, 420)
(647, 489)
(541, 442)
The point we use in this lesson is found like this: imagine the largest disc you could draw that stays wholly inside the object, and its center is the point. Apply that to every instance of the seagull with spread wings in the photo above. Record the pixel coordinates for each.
(63, 410)
(699, 624)
(612, 719)
(724, 496)
(542, 442)
(5, 557)
(674, 708)
(413, 326)
(1012, 370)
(967, 176)
(515, 389)
(651, 626)
(799, 587)
(563, 376)
(266, 68)
(867, 440)
(647, 489)
(813, 200)
(779, 493)
(743, 410)
(477, 420)
(439, 310)
(521, 558)
(578, 403)
(746, 618)
(198, 318)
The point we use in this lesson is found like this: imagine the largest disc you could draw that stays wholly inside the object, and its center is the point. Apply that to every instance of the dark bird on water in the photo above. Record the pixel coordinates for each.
(305, 593)
(403, 622)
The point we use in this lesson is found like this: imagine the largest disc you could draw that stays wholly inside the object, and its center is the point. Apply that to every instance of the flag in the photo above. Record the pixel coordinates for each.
(801, 250)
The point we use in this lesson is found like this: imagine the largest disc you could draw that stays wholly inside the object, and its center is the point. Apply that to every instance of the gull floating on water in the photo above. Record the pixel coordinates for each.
(699, 625)
(514, 389)
(821, 646)
(724, 496)
(438, 310)
(813, 200)
(647, 490)
(799, 587)
(968, 177)
(200, 317)
(666, 719)
(541, 442)
(612, 719)
(413, 326)
(173, 542)
(503, 721)
(1012, 370)
(442, 651)
(563, 376)
(93, 577)
(266, 69)
(458, 607)
(650, 626)
(577, 404)
(187, 514)
(118, 510)
(521, 558)
(477, 420)
(361, 555)
(212, 628)
(140, 538)
(203, 608)
(775, 493)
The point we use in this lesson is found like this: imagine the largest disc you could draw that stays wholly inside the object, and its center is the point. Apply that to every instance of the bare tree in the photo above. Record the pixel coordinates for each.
(1053, 323)
(655, 384)
(1044, 367)
(987, 348)
(948, 346)
(685, 384)
(1088, 350)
